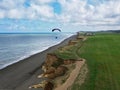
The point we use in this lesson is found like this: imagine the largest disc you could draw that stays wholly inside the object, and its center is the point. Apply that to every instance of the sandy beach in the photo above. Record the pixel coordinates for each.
(21, 75)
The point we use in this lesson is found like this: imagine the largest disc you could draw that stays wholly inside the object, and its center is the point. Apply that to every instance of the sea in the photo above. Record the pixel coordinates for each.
(15, 47)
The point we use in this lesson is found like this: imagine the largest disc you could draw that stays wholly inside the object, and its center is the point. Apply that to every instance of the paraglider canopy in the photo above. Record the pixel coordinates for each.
(56, 29)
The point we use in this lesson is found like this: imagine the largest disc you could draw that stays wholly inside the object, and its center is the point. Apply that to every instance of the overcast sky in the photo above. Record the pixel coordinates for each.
(68, 15)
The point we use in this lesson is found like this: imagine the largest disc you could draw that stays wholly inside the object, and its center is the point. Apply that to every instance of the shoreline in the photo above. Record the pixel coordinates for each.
(31, 54)
(22, 74)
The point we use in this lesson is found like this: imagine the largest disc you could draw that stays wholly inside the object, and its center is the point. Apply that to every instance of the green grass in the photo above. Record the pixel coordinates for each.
(71, 53)
(102, 54)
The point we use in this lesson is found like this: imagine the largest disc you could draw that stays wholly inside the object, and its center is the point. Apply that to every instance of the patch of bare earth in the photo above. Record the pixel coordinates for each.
(62, 49)
(81, 77)
(58, 81)
(72, 77)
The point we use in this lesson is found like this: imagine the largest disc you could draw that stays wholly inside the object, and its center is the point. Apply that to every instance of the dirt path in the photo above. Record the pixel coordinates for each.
(72, 76)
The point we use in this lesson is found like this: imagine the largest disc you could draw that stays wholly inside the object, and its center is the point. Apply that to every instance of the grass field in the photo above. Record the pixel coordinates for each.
(102, 54)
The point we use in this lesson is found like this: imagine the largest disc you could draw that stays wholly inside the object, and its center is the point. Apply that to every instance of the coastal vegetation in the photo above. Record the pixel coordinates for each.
(61, 65)
(102, 56)
(96, 57)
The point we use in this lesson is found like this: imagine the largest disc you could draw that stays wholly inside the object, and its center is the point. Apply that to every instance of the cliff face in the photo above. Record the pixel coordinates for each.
(80, 37)
(50, 59)
(71, 42)
(49, 86)
(53, 61)
(61, 70)
(53, 66)
(69, 61)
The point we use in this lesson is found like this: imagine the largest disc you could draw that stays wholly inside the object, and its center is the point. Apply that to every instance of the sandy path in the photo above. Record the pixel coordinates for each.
(72, 77)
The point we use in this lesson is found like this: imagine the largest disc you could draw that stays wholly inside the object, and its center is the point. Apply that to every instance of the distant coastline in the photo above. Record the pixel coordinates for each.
(33, 32)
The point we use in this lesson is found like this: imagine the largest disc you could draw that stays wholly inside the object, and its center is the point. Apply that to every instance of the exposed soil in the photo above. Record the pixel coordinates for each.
(81, 77)
(72, 77)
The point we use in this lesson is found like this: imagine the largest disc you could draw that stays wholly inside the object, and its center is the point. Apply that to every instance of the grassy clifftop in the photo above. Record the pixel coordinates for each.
(102, 54)
(84, 64)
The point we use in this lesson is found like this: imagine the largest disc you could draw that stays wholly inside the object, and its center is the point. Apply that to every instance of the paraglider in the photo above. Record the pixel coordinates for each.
(56, 29)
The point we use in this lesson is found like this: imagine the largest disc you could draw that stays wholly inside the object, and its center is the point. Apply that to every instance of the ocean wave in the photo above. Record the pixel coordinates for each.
(20, 53)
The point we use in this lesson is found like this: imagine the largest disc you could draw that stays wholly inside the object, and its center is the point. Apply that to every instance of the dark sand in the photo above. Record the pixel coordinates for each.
(21, 75)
